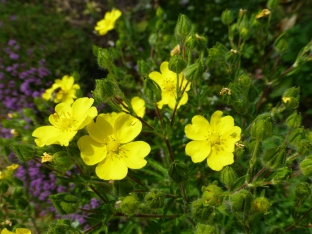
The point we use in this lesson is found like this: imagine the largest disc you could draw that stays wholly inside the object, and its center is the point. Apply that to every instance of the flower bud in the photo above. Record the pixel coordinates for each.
(24, 152)
(194, 71)
(244, 32)
(201, 42)
(291, 97)
(306, 166)
(212, 195)
(129, 205)
(281, 44)
(227, 17)
(275, 157)
(155, 199)
(296, 136)
(176, 64)
(203, 213)
(105, 89)
(65, 203)
(183, 27)
(262, 127)
(241, 201)
(152, 90)
(275, 230)
(205, 229)
(273, 4)
(143, 67)
(104, 58)
(302, 191)
(261, 205)
(294, 120)
(304, 147)
(61, 161)
(178, 172)
(228, 176)
(281, 174)
(122, 188)
(191, 41)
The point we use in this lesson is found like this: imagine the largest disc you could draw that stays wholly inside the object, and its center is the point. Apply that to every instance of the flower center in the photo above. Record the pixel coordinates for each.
(169, 86)
(215, 139)
(63, 120)
(113, 146)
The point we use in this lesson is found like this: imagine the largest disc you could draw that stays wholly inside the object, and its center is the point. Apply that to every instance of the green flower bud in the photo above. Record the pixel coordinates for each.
(159, 12)
(304, 147)
(306, 166)
(275, 230)
(203, 213)
(273, 4)
(294, 120)
(205, 229)
(152, 90)
(176, 63)
(65, 203)
(178, 172)
(261, 205)
(262, 127)
(194, 71)
(291, 97)
(183, 27)
(191, 41)
(155, 199)
(122, 188)
(24, 152)
(104, 58)
(302, 191)
(212, 195)
(281, 44)
(275, 157)
(143, 67)
(241, 201)
(62, 226)
(228, 176)
(61, 161)
(281, 174)
(201, 42)
(227, 17)
(129, 205)
(105, 89)
(244, 33)
(296, 136)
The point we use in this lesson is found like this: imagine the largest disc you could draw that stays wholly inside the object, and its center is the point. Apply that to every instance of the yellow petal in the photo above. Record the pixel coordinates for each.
(138, 105)
(100, 130)
(6, 231)
(81, 106)
(215, 120)
(183, 100)
(157, 77)
(48, 135)
(133, 154)
(126, 128)
(226, 123)
(22, 231)
(199, 129)
(218, 159)
(198, 150)
(164, 68)
(92, 152)
(111, 168)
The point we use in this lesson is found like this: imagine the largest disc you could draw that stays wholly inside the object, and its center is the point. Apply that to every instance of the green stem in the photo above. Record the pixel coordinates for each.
(97, 193)
(253, 161)
(93, 227)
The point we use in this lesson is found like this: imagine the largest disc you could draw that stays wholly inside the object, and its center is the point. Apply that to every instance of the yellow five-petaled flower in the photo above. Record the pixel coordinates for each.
(110, 145)
(214, 141)
(168, 81)
(108, 23)
(63, 90)
(17, 231)
(66, 122)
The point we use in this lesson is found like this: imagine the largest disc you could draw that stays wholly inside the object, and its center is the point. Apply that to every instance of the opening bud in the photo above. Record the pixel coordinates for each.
(212, 195)
(262, 127)
(178, 172)
(177, 64)
(291, 97)
(275, 157)
(183, 27)
(65, 203)
(261, 205)
(129, 205)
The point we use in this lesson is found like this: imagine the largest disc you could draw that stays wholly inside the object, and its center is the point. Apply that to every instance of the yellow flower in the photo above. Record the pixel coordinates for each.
(110, 144)
(263, 13)
(62, 90)
(66, 122)
(17, 231)
(46, 158)
(138, 105)
(108, 23)
(167, 80)
(214, 141)
(175, 50)
(12, 167)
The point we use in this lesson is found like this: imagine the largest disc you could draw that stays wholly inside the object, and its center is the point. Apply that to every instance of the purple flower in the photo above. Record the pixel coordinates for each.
(14, 56)
(1, 75)
(11, 42)
(13, 17)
